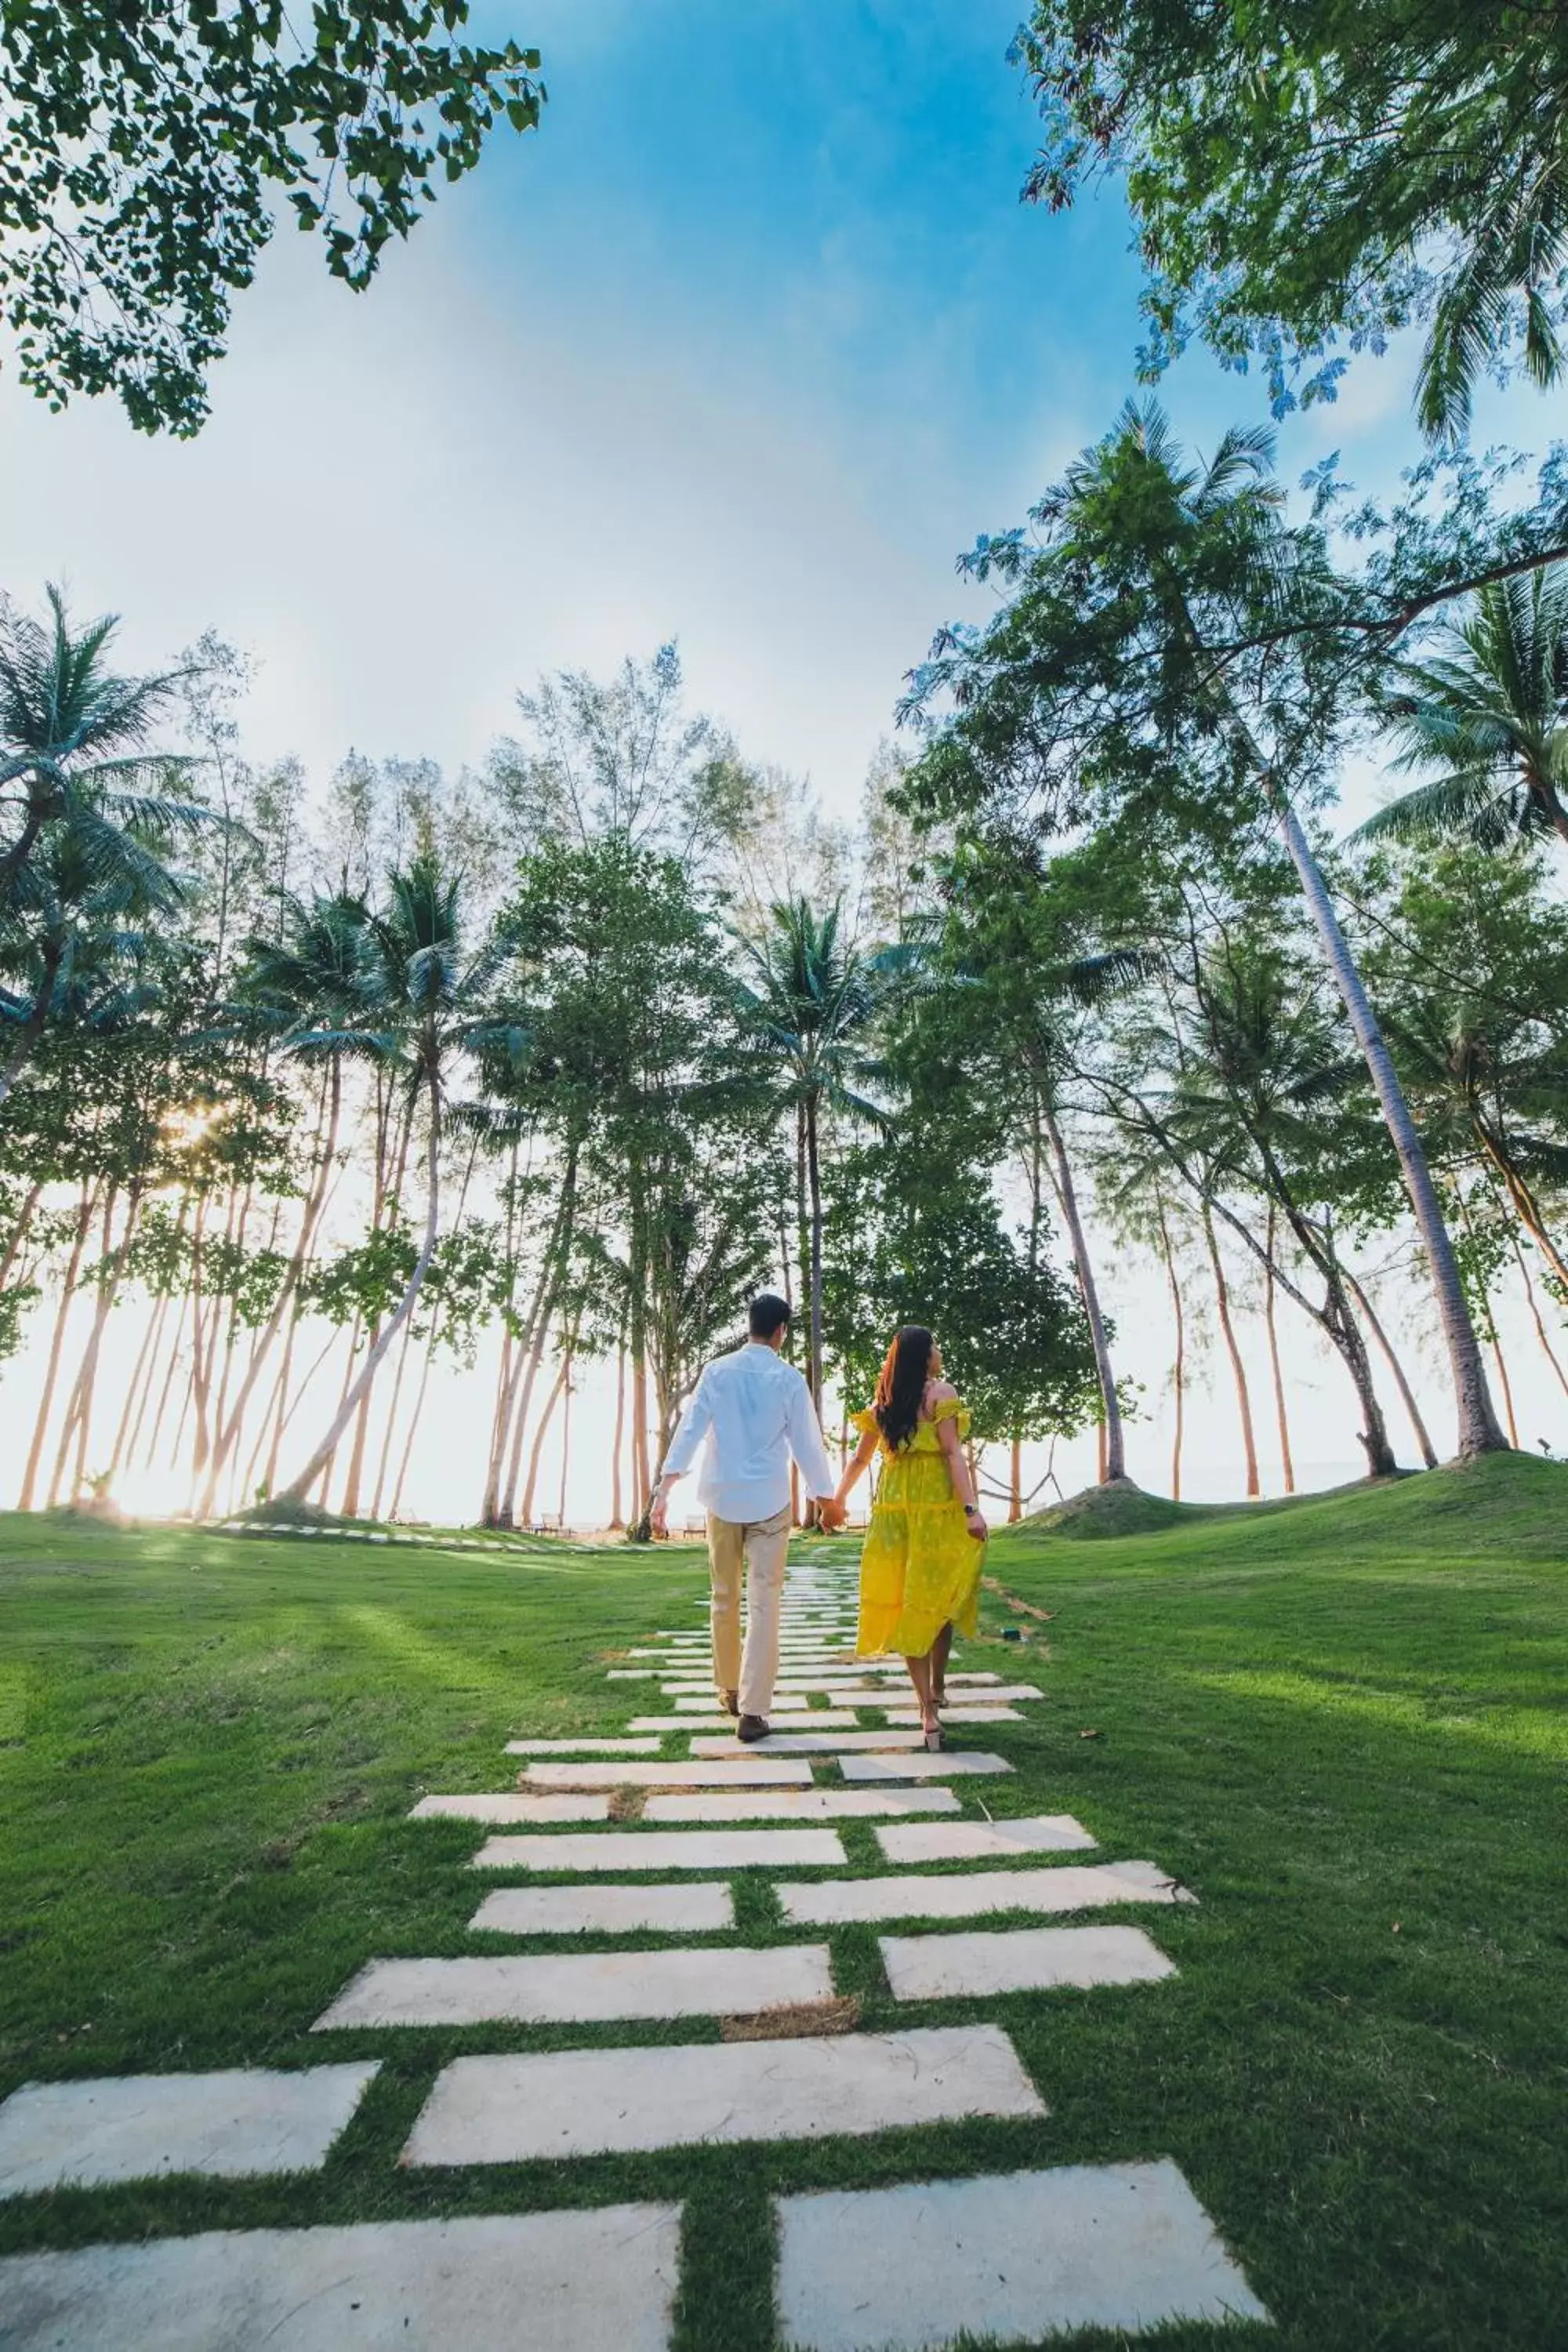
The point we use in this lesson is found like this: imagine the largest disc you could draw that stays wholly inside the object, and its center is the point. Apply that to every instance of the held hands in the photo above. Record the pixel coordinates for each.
(831, 1513)
(658, 1513)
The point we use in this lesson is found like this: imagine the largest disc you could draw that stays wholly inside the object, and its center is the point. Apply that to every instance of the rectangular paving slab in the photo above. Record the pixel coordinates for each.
(798, 1804)
(959, 1715)
(700, 1908)
(985, 1840)
(1070, 1886)
(1019, 1960)
(136, 2126)
(582, 1747)
(611, 1850)
(739, 1771)
(812, 1743)
(712, 1723)
(602, 2280)
(508, 1806)
(571, 2102)
(579, 1988)
(1010, 2260)
(949, 1763)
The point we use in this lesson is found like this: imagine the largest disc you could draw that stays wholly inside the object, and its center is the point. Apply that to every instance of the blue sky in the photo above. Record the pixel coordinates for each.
(741, 348)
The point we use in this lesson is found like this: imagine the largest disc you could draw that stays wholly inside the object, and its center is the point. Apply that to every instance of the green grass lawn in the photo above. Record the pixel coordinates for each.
(1343, 1725)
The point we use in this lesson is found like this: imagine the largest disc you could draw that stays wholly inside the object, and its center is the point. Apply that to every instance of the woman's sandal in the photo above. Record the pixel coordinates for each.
(933, 1738)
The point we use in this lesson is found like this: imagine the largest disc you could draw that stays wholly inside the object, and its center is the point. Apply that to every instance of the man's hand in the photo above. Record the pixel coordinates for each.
(831, 1512)
(659, 1512)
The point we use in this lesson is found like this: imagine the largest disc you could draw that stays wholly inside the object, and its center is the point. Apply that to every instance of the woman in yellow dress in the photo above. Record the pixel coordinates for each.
(920, 1569)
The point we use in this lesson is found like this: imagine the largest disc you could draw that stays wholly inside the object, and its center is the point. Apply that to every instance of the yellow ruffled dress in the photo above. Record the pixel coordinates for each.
(920, 1569)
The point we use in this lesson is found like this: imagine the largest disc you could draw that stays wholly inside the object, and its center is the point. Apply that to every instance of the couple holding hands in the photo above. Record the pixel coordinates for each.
(751, 1415)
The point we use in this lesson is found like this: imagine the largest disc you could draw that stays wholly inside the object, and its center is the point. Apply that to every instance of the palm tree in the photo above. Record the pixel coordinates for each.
(71, 935)
(813, 1000)
(1489, 717)
(72, 765)
(307, 982)
(417, 1007)
(1230, 513)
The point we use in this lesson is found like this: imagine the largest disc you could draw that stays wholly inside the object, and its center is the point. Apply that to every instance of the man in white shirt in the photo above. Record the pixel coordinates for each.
(753, 1414)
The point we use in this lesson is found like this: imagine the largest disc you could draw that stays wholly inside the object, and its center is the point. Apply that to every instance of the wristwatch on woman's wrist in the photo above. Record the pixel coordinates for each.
(971, 1510)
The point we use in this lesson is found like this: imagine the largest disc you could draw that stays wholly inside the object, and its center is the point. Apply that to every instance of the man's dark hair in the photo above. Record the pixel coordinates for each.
(768, 1315)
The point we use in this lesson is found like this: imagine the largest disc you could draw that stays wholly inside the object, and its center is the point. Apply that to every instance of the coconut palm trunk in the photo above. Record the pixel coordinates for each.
(1113, 1456)
(1480, 1431)
(1179, 1366)
(1238, 1368)
(299, 1487)
(325, 1147)
(1270, 1324)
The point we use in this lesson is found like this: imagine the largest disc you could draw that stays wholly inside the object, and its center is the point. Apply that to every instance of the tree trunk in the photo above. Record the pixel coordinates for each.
(1283, 1422)
(1016, 1482)
(1478, 1430)
(1547, 1349)
(1493, 1339)
(19, 1230)
(309, 1220)
(1179, 1369)
(297, 1491)
(1526, 1206)
(109, 1291)
(536, 1452)
(617, 1519)
(56, 1340)
(1113, 1457)
(386, 1463)
(1238, 1370)
(814, 1187)
(1407, 1393)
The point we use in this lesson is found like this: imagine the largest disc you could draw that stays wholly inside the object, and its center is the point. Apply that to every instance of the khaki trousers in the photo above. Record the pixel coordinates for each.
(761, 1545)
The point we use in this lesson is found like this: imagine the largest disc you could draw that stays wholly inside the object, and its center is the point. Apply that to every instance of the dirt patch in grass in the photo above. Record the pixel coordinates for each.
(796, 2021)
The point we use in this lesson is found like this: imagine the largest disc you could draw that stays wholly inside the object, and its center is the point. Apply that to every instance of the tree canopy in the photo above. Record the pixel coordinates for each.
(144, 146)
(1307, 172)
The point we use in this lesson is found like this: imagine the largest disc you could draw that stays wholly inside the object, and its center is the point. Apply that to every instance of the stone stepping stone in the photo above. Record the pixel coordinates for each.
(694, 1703)
(983, 1841)
(798, 1804)
(582, 1747)
(1019, 1960)
(579, 1988)
(571, 2102)
(711, 1723)
(811, 1743)
(630, 1674)
(1015, 2259)
(737, 1770)
(602, 2280)
(504, 1806)
(698, 1909)
(949, 1763)
(589, 1853)
(958, 1715)
(1070, 1886)
(138, 2127)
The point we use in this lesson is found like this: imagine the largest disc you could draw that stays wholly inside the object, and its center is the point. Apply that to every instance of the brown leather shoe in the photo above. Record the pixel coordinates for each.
(730, 1702)
(750, 1727)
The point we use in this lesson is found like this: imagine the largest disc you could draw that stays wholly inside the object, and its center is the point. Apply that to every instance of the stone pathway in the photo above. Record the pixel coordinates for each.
(1012, 2258)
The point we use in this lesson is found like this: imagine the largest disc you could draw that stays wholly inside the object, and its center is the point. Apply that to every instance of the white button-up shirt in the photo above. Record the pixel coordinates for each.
(751, 1412)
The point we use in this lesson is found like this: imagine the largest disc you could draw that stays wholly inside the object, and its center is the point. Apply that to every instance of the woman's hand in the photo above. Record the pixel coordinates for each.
(975, 1521)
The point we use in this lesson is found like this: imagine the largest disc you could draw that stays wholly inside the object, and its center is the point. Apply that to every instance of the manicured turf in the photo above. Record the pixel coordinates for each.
(1344, 1725)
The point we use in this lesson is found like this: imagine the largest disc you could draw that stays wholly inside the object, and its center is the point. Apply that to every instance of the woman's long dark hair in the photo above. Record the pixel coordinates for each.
(901, 1384)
